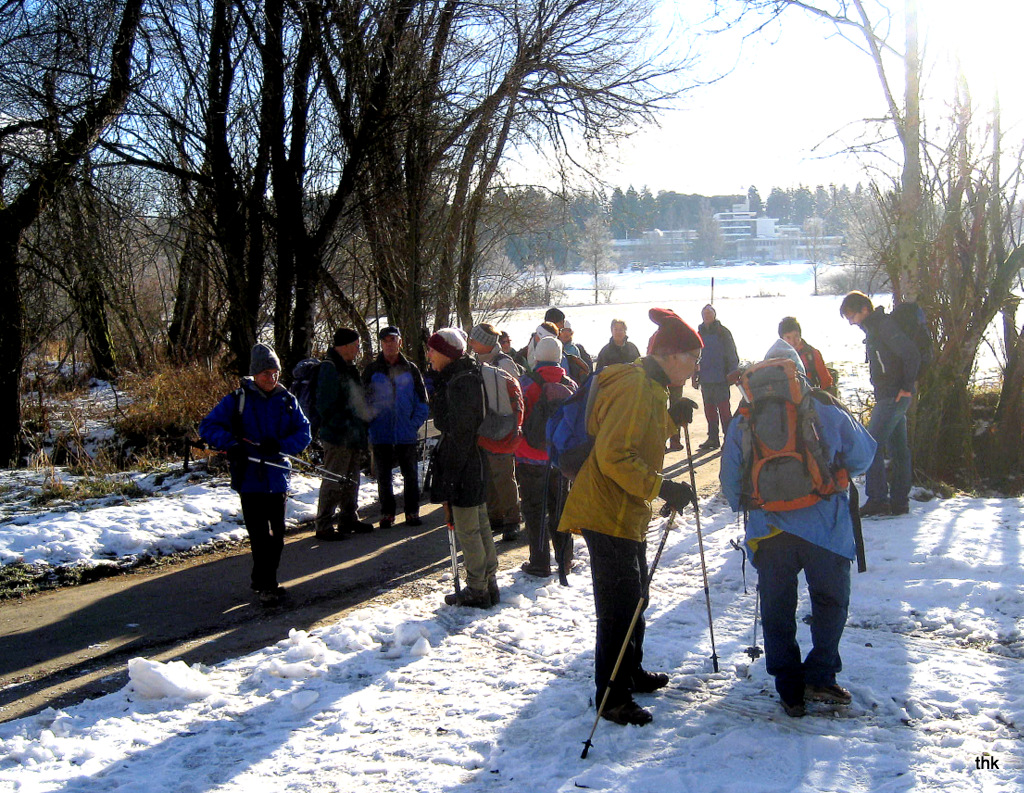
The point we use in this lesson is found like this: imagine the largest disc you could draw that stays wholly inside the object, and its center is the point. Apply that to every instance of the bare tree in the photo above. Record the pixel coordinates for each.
(596, 250)
(50, 125)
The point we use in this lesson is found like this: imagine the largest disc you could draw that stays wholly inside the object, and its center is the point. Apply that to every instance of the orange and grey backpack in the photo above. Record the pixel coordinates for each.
(785, 463)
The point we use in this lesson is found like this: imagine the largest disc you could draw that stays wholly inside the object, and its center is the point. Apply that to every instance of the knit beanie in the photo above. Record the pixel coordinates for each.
(343, 336)
(673, 335)
(450, 342)
(484, 334)
(549, 350)
(262, 358)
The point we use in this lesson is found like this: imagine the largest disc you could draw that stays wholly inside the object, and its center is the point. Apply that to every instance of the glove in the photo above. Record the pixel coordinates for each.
(678, 496)
(269, 447)
(237, 453)
(681, 411)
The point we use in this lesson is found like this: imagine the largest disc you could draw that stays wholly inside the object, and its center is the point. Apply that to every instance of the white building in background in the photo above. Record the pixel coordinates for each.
(744, 237)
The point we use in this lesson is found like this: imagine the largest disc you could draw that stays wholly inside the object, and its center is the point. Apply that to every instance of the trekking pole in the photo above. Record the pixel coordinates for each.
(753, 650)
(451, 546)
(641, 604)
(700, 545)
(339, 478)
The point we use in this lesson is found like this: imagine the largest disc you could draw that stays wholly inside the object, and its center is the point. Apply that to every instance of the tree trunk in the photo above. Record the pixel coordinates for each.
(11, 350)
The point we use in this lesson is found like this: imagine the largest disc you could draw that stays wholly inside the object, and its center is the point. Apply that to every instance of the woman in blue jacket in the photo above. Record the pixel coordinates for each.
(255, 425)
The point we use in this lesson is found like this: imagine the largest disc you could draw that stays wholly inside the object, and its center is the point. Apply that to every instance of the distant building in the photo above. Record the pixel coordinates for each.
(745, 237)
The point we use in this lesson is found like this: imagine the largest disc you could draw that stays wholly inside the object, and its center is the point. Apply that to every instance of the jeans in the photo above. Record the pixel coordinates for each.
(263, 514)
(619, 570)
(779, 560)
(888, 426)
(385, 457)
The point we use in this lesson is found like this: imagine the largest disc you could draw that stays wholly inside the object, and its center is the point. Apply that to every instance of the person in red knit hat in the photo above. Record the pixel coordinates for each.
(610, 501)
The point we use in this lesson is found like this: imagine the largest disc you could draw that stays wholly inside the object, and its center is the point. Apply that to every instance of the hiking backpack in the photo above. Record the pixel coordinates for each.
(500, 431)
(911, 320)
(569, 443)
(785, 464)
(552, 395)
(304, 381)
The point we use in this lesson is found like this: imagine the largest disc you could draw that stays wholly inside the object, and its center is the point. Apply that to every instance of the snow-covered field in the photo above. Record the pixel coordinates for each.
(424, 697)
(419, 696)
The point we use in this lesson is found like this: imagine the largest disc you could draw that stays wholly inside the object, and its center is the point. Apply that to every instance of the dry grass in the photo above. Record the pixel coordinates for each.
(166, 406)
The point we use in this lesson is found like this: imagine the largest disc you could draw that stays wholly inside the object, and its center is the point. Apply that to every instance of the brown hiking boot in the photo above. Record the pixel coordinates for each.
(472, 598)
(833, 694)
(627, 712)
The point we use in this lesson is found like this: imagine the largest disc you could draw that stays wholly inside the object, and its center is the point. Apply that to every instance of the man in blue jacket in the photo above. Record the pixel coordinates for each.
(893, 363)
(817, 539)
(718, 359)
(256, 424)
(397, 401)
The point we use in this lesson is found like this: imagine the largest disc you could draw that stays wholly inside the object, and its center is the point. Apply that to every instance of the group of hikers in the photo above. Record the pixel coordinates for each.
(800, 514)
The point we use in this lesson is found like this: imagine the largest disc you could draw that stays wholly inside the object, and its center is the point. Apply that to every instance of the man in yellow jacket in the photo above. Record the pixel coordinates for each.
(609, 503)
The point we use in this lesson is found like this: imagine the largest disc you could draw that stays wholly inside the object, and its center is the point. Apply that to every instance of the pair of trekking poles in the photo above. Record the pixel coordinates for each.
(645, 597)
(326, 474)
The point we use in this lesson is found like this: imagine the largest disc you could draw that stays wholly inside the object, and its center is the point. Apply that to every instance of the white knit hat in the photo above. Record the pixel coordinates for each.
(549, 350)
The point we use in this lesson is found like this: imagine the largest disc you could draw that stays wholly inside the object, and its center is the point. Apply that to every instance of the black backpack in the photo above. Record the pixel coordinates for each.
(304, 381)
(911, 320)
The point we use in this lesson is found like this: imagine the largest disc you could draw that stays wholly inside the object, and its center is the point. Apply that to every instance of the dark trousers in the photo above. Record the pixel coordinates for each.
(386, 456)
(263, 514)
(716, 407)
(779, 560)
(542, 490)
(619, 570)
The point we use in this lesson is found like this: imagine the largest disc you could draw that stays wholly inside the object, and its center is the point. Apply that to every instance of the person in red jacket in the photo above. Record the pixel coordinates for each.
(818, 374)
(541, 489)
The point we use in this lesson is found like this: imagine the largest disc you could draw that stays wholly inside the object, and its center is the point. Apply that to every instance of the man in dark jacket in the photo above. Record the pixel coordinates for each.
(717, 360)
(893, 362)
(619, 348)
(459, 471)
(260, 421)
(397, 401)
(343, 413)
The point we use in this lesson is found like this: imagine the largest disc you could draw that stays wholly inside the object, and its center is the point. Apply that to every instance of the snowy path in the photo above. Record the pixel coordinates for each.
(422, 697)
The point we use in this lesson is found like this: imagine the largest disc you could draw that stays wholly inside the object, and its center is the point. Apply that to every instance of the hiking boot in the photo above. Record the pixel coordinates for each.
(794, 710)
(473, 598)
(538, 572)
(271, 597)
(899, 509)
(709, 445)
(413, 520)
(330, 535)
(494, 592)
(674, 444)
(387, 521)
(645, 682)
(510, 532)
(874, 507)
(627, 712)
(357, 526)
(833, 694)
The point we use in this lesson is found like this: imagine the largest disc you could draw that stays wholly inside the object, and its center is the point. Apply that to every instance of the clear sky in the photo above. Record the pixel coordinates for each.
(798, 94)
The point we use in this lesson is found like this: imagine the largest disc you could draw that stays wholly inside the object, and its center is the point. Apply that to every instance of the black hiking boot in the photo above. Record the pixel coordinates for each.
(535, 571)
(493, 592)
(709, 445)
(627, 712)
(874, 507)
(472, 598)
(645, 682)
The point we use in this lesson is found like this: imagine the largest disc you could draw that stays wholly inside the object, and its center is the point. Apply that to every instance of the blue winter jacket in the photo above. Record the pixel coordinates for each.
(719, 356)
(397, 400)
(826, 523)
(275, 415)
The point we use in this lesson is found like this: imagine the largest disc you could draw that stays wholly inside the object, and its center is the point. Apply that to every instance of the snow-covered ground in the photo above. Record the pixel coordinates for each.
(419, 696)
(424, 697)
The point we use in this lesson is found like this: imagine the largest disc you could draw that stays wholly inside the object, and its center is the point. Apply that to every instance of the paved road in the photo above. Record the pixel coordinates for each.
(67, 645)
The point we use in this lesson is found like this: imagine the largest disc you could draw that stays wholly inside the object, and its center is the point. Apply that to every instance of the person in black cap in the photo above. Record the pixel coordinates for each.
(342, 408)
(398, 407)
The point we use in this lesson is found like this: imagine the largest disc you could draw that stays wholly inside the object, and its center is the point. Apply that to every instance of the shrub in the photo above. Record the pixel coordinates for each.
(166, 406)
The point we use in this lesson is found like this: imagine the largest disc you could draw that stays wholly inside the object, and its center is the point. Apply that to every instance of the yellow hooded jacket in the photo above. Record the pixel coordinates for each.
(630, 424)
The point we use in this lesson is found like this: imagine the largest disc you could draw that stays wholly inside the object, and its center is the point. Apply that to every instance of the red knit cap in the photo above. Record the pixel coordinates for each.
(673, 335)
(448, 342)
